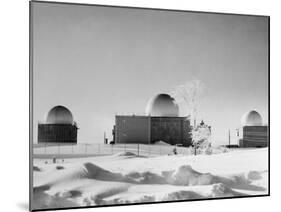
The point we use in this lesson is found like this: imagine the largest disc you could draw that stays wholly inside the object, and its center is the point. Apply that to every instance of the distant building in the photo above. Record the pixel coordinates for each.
(59, 127)
(161, 123)
(254, 133)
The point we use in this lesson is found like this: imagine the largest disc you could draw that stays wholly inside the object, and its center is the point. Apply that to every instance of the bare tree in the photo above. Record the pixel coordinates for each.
(190, 94)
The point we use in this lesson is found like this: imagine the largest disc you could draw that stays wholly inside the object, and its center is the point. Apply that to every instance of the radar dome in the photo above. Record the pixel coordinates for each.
(252, 118)
(59, 115)
(162, 105)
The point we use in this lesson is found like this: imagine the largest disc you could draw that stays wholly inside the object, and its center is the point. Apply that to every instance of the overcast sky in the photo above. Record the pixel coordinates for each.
(99, 61)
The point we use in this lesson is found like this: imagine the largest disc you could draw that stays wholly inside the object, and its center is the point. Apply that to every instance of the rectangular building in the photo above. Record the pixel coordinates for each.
(254, 136)
(149, 129)
(57, 133)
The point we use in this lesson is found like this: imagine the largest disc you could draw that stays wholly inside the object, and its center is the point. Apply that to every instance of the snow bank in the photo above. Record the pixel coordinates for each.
(185, 175)
(126, 154)
(116, 180)
(162, 143)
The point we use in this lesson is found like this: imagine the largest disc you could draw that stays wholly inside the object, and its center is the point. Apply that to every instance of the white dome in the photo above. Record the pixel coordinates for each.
(252, 118)
(59, 115)
(162, 105)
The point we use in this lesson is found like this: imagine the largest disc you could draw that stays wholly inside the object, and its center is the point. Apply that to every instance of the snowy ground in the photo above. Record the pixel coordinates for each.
(126, 178)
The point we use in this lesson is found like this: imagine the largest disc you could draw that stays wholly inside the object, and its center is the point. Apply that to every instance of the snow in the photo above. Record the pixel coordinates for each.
(162, 143)
(127, 178)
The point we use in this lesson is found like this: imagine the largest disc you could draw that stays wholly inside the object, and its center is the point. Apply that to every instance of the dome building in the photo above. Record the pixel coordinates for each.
(252, 118)
(162, 105)
(58, 127)
(161, 122)
(254, 133)
(59, 115)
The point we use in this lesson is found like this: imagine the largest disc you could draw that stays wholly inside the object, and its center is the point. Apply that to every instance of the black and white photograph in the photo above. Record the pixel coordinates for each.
(137, 105)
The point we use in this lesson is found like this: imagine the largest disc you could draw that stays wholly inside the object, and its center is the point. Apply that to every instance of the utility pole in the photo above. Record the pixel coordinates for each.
(228, 138)
(237, 134)
(104, 138)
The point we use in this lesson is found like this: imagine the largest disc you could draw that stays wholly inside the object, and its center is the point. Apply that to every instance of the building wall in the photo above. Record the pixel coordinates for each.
(173, 130)
(254, 136)
(132, 129)
(57, 133)
(146, 130)
(187, 140)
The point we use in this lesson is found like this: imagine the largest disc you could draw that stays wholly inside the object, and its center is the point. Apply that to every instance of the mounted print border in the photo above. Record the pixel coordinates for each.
(142, 106)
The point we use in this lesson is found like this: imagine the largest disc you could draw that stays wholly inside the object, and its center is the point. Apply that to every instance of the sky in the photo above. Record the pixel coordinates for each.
(102, 61)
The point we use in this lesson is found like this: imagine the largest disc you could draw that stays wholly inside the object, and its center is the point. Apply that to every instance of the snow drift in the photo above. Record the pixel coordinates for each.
(126, 178)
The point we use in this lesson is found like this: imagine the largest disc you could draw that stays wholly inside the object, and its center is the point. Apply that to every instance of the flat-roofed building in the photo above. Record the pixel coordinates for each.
(161, 123)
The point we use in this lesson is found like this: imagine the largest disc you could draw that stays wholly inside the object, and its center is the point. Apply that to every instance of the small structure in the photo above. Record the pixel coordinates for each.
(255, 134)
(161, 123)
(59, 127)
